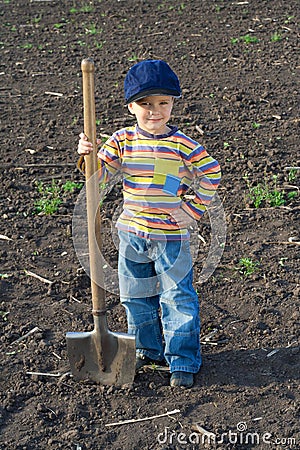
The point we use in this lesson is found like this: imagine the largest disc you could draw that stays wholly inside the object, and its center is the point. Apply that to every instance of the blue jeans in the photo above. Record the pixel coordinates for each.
(162, 307)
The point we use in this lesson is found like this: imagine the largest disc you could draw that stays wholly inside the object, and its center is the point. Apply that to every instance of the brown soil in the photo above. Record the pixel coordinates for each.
(243, 96)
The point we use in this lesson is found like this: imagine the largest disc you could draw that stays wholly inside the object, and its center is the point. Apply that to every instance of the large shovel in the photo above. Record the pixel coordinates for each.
(99, 355)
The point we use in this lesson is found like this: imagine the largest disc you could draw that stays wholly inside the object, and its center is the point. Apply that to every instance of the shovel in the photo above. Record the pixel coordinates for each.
(99, 355)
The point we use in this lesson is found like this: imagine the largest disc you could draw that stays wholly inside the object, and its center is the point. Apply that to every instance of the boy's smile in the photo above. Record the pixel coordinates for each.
(153, 113)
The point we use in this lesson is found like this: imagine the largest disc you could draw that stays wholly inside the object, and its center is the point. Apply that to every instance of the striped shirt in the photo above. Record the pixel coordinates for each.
(157, 172)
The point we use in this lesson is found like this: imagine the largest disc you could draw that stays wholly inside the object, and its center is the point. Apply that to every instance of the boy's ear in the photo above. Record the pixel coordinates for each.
(130, 108)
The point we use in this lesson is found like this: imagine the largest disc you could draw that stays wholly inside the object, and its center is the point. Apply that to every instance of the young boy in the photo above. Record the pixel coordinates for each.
(159, 164)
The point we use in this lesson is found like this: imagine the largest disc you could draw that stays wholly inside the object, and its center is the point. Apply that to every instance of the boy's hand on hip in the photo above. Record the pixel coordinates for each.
(181, 218)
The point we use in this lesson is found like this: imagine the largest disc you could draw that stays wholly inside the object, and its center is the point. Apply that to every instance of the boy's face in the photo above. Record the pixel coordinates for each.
(153, 113)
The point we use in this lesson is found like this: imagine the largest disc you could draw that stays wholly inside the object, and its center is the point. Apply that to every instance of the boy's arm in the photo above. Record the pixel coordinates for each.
(108, 160)
(207, 175)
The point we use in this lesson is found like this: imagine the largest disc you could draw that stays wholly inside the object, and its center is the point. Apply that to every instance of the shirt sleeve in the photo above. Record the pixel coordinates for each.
(109, 159)
(206, 173)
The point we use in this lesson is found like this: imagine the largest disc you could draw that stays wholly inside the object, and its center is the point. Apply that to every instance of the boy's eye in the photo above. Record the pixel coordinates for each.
(149, 104)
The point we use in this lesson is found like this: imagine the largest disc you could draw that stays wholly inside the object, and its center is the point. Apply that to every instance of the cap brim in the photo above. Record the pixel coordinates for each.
(151, 92)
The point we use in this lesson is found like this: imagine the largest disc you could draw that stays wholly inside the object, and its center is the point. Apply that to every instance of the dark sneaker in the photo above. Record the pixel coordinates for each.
(142, 360)
(183, 379)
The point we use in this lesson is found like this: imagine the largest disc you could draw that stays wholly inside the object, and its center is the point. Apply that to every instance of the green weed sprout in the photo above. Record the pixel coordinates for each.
(292, 176)
(59, 25)
(276, 37)
(99, 45)
(70, 186)
(265, 194)
(84, 9)
(133, 58)
(92, 29)
(49, 200)
(247, 266)
(249, 39)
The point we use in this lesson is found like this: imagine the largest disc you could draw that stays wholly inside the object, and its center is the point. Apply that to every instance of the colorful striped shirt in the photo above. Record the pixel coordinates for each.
(157, 172)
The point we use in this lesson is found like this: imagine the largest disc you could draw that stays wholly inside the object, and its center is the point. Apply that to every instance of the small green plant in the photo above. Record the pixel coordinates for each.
(133, 58)
(74, 121)
(226, 145)
(247, 267)
(249, 39)
(266, 193)
(234, 40)
(50, 195)
(257, 195)
(92, 29)
(282, 261)
(293, 171)
(289, 18)
(153, 366)
(103, 192)
(27, 45)
(70, 186)
(291, 195)
(58, 26)
(49, 200)
(99, 45)
(276, 198)
(84, 9)
(256, 125)
(161, 5)
(276, 37)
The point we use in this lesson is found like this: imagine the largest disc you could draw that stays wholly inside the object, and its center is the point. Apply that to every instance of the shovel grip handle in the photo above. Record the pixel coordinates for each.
(92, 187)
(89, 113)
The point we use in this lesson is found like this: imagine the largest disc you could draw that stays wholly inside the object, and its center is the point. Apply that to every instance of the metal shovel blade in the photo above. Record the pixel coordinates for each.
(107, 358)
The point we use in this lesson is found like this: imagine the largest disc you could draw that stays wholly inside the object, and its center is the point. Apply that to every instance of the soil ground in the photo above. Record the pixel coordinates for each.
(238, 66)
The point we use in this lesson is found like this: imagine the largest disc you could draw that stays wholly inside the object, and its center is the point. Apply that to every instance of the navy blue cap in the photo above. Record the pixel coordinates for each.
(150, 77)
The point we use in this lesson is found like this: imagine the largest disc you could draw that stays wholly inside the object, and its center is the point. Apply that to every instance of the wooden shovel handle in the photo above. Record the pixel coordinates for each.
(92, 189)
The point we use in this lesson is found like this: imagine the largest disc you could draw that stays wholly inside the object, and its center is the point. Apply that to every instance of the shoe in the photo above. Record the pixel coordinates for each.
(143, 360)
(183, 379)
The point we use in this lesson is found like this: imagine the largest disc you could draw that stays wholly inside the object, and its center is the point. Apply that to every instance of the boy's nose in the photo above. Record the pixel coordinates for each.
(154, 111)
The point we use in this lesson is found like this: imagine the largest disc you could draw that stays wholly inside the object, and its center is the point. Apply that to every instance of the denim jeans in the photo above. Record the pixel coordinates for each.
(162, 307)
